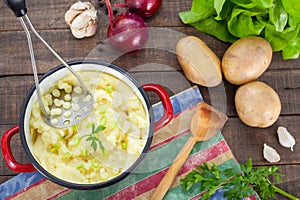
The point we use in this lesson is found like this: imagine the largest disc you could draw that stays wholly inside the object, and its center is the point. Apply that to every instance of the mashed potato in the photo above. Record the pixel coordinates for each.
(104, 144)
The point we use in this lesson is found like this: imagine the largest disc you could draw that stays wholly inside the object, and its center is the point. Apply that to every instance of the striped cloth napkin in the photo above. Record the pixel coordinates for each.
(140, 184)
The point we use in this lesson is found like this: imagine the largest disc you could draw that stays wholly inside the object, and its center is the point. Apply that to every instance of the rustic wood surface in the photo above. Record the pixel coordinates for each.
(156, 64)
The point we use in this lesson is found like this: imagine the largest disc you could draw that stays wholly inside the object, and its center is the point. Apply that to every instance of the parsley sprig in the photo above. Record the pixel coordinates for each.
(236, 185)
(95, 141)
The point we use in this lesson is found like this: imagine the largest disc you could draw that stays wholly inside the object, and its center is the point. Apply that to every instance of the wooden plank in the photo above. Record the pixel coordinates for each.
(5, 178)
(160, 50)
(15, 56)
(40, 16)
(285, 82)
(290, 180)
(246, 141)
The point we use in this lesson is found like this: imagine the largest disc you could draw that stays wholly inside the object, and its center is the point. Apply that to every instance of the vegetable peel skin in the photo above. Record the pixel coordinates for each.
(198, 62)
(246, 59)
(257, 104)
(270, 154)
(285, 138)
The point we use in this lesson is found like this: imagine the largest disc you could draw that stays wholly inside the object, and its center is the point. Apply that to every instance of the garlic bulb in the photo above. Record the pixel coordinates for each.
(285, 138)
(82, 19)
(270, 154)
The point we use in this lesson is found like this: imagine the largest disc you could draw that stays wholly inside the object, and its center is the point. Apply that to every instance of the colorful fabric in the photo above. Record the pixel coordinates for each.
(142, 182)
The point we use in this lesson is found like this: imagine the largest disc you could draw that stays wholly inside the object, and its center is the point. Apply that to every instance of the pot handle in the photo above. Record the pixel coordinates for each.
(164, 97)
(7, 154)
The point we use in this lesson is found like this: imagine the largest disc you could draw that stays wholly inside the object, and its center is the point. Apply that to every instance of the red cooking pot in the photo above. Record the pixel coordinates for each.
(45, 83)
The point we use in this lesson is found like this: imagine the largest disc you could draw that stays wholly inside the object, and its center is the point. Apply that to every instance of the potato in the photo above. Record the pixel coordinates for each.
(199, 63)
(246, 59)
(257, 104)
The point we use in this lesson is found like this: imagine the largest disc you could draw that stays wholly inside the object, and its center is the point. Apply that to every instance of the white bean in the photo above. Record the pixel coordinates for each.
(65, 86)
(47, 110)
(54, 121)
(78, 90)
(75, 107)
(67, 97)
(75, 99)
(56, 111)
(66, 105)
(88, 98)
(58, 102)
(67, 122)
(56, 92)
(78, 118)
(68, 88)
(49, 99)
(67, 114)
(85, 109)
(44, 101)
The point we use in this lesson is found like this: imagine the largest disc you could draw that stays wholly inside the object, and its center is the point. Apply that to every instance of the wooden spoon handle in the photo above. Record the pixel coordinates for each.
(169, 177)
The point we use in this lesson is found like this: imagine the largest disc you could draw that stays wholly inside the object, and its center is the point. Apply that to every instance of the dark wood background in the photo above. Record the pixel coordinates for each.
(156, 64)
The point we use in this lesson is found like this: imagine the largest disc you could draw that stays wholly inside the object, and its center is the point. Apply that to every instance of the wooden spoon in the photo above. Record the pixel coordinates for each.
(205, 124)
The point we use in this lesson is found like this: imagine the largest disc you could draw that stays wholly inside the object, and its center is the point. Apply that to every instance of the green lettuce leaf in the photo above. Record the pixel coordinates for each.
(243, 23)
(292, 7)
(215, 28)
(278, 16)
(280, 40)
(201, 9)
(218, 5)
(260, 4)
(226, 11)
(277, 21)
(291, 51)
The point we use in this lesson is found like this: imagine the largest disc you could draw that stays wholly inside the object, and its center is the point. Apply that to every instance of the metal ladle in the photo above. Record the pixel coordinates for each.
(84, 101)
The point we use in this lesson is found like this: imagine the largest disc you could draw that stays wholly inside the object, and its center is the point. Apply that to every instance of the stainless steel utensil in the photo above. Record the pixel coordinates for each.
(84, 101)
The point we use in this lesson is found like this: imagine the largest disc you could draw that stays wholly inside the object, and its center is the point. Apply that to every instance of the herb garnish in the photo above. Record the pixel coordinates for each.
(95, 141)
(236, 185)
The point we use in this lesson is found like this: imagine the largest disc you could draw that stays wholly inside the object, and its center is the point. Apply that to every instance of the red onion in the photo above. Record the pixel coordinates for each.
(127, 31)
(144, 8)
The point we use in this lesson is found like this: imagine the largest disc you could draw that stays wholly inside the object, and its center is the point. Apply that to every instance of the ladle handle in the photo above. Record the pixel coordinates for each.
(17, 6)
(173, 170)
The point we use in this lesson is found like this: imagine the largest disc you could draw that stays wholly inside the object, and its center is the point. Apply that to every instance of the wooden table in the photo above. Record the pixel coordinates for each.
(156, 64)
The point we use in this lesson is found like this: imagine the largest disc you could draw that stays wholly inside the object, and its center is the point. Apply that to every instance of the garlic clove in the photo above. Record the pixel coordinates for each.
(285, 138)
(270, 154)
(91, 29)
(76, 9)
(70, 16)
(83, 19)
(88, 31)
(79, 5)
(78, 33)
